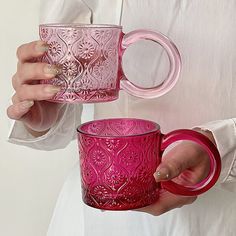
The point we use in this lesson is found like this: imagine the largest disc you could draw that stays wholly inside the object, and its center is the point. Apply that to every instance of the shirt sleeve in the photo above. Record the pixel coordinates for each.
(69, 11)
(224, 133)
(64, 129)
(58, 137)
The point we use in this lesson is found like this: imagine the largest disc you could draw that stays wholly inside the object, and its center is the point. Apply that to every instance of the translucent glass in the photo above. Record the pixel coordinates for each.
(118, 158)
(90, 58)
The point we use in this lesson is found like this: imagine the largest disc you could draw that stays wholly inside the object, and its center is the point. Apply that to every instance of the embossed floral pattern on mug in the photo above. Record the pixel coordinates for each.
(96, 52)
(86, 50)
(79, 51)
(119, 156)
(122, 175)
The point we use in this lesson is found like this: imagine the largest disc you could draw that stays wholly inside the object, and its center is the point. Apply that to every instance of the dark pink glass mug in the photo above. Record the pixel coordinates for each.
(90, 58)
(118, 158)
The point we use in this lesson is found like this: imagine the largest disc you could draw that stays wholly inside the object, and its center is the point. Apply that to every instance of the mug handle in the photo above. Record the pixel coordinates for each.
(173, 55)
(214, 156)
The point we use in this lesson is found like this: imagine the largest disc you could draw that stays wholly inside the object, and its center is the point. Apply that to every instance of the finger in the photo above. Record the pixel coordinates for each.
(180, 158)
(166, 202)
(15, 81)
(37, 92)
(15, 99)
(35, 71)
(18, 110)
(29, 51)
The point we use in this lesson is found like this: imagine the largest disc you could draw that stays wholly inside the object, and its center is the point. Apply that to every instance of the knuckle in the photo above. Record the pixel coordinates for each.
(9, 113)
(160, 211)
(14, 77)
(14, 81)
(155, 213)
(191, 200)
(19, 51)
(14, 98)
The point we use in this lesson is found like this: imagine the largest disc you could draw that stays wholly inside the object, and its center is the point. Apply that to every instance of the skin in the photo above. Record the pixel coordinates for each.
(187, 163)
(28, 102)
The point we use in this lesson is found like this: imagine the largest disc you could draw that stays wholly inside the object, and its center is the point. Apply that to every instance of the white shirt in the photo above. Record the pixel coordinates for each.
(205, 34)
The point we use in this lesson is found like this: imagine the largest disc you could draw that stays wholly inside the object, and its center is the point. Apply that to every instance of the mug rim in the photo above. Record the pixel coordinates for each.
(155, 129)
(79, 25)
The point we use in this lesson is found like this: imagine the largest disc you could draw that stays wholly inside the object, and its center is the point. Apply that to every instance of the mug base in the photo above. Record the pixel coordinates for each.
(120, 204)
(98, 96)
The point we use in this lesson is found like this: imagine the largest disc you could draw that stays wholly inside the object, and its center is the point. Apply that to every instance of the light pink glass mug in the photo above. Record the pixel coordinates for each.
(118, 158)
(90, 57)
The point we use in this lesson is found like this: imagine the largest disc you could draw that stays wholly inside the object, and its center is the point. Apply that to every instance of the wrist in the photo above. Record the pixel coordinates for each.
(206, 133)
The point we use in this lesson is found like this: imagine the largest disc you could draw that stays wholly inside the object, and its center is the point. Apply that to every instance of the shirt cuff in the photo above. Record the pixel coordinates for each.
(224, 133)
(62, 132)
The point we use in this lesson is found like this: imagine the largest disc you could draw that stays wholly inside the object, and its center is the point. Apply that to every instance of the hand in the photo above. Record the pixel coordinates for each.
(187, 164)
(28, 101)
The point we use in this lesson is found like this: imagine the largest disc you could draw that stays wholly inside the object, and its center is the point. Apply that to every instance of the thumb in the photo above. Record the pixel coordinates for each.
(176, 161)
(167, 171)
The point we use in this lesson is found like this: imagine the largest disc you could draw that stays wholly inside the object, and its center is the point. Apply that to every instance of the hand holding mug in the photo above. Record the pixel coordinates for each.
(118, 158)
(91, 60)
(29, 103)
(187, 164)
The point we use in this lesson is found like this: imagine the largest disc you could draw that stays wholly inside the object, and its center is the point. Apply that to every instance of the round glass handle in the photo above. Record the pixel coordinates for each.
(174, 59)
(214, 156)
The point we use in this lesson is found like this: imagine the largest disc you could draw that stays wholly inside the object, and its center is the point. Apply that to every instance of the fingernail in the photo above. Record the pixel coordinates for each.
(51, 70)
(41, 46)
(52, 89)
(162, 174)
(26, 105)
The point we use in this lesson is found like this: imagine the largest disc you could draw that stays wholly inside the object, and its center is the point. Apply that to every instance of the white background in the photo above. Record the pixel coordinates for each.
(30, 180)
